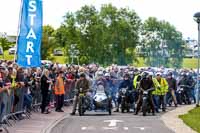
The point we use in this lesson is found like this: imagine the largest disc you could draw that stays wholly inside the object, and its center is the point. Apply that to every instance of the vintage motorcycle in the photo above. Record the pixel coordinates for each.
(100, 102)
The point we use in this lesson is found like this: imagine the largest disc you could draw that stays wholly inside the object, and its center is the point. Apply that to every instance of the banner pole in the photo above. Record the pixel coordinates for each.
(18, 29)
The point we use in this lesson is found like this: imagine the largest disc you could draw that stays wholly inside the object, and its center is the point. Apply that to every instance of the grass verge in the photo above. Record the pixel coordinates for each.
(192, 119)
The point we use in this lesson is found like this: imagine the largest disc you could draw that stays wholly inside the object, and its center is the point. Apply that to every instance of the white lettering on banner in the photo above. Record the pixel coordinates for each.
(29, 59)
(32, 6)
(32, 18)
(29, 47)
(31, 34)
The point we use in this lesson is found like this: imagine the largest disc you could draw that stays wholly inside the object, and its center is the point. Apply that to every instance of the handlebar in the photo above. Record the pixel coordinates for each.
(187, 86)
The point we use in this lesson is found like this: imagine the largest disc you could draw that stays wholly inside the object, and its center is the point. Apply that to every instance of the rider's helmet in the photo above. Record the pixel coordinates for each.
(158, 74)
(145, 74)
(169, 74)
(126, 76)
(107, 74)
(151, 74)
(82, 75)
(183, 74)
(100, 74)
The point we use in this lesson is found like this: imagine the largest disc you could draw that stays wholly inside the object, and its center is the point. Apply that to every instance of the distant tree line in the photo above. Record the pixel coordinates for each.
(112, 35)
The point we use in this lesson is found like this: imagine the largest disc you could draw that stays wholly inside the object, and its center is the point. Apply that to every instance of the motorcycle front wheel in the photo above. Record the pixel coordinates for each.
(81, 108)
(144, 107)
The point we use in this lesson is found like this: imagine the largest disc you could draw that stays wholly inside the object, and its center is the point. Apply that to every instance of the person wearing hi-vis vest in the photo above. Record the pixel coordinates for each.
(59, 92)
(136, 82)
(156, 92)
(162, 91)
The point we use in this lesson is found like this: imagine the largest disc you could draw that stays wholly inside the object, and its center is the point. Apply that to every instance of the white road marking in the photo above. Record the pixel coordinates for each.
(110, 128)
(125, 128)
(141, 128)
(113, 123)
(83, 128)
(87, 128)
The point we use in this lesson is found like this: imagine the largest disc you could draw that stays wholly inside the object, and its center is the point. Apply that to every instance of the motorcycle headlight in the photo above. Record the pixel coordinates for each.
(124, 90)
(81, 89)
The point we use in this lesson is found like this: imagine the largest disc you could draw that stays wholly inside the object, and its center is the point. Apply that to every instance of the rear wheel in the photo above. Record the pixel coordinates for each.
(110, 112)
(110, 107)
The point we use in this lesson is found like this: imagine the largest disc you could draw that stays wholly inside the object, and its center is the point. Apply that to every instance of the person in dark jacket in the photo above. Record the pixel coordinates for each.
(172, 89)
(186, 85)
(81, 83)
(45, 83)
(126, 83)
(145, 84)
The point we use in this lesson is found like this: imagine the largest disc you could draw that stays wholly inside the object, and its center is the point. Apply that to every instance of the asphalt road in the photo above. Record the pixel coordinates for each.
(94, 122)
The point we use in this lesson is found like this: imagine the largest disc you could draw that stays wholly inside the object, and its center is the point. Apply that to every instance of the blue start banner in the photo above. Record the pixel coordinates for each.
(30, 34)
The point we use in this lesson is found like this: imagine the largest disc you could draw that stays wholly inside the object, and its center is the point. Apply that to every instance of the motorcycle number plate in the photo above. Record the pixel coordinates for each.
(145, 92)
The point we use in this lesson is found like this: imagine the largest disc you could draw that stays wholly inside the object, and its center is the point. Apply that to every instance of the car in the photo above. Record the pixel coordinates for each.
(46, 62)
(58, 52)
(12, 50)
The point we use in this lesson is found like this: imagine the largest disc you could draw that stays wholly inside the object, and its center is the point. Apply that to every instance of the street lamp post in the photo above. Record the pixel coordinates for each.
(197, 19)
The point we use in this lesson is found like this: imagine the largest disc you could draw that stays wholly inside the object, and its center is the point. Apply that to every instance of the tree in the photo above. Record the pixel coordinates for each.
(163, 43)
(5, 44)
(48, 41)
(122, 27)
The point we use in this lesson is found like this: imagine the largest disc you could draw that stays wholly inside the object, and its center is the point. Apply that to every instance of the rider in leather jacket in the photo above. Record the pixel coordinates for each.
(126, 83)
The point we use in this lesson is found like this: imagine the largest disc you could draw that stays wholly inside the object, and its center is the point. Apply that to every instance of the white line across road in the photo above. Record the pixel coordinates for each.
(83, 128)
(113, 123)
(125, 128)
(141, 128)
(110, 128)
(88, 128)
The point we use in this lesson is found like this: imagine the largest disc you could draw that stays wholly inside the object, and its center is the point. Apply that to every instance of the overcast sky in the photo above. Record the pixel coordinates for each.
(177, 12)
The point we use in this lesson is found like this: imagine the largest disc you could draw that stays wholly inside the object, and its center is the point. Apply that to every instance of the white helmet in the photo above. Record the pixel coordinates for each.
(151, 74)
(107, 75)
(100, 73)
(159, 73)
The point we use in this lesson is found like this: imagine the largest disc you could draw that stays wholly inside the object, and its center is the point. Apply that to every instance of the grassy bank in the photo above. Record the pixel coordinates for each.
(192, 119)
(187, 62)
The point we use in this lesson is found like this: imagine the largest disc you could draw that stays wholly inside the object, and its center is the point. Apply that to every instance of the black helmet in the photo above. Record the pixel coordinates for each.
(169, 74)
(145, 74)
(82, 75)
(126, 75)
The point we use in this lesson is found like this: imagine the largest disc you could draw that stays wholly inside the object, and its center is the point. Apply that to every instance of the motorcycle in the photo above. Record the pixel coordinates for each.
(102, 101)
(84, 102)
(145, 103)
(99, 102)
(182, 95)
(125, 100)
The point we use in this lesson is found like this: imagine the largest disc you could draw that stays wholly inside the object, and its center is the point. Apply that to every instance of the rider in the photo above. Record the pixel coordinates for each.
(185, 83)
(105, 81)
(145, 84)
(126, 83)
(81, 83)
(172, 88)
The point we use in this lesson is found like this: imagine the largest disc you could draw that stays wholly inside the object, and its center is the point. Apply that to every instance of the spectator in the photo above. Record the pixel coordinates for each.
(59, 92)
(45, 83)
